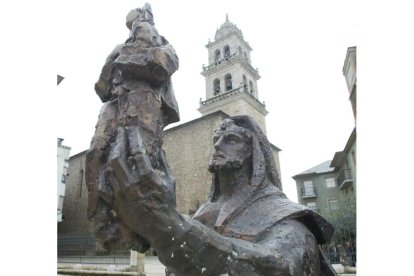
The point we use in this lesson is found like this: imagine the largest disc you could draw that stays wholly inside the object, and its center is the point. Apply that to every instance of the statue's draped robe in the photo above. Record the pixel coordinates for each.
(268, 218)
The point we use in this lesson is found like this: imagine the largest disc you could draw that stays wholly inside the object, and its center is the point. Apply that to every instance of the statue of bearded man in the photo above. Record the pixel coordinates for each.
(247, 227)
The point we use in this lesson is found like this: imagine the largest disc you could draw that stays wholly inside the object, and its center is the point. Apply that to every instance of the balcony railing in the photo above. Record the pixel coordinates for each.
(218, 62)
(228, 94)
(231, 57)
(308, 192)
(344, 177)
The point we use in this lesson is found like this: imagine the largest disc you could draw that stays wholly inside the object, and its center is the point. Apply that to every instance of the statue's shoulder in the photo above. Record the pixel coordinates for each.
(207, 214)
(271, 207)
(260, 213)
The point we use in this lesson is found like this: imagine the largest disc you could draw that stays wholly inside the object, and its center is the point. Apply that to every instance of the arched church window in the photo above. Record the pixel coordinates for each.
(226, 51)
(251, 88)
(216, 86)
(229, 85)
(217, 55)
(244, 83)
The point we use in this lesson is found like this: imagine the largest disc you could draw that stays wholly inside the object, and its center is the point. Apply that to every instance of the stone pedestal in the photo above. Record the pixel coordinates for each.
(137, 262)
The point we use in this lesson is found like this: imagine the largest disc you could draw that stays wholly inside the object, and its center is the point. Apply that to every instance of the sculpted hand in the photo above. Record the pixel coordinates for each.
(252, 259)
(140, 193)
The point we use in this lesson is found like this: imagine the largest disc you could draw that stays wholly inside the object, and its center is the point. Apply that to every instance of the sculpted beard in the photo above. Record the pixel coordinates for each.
(215, 166)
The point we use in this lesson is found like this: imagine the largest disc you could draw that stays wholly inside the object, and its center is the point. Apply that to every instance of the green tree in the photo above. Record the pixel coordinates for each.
(343, 218)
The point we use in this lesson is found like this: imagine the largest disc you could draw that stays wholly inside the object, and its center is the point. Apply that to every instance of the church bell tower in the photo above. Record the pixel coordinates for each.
(231, 80)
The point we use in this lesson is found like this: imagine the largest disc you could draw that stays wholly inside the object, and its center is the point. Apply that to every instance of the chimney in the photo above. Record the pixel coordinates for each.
(59, 141)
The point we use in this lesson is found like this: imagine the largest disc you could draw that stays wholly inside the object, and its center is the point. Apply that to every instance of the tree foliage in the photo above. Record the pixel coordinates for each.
(343, 218)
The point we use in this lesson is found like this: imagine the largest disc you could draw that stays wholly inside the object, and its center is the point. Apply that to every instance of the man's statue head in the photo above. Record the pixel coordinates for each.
(232, 147)
(240, 142)
(143, 14)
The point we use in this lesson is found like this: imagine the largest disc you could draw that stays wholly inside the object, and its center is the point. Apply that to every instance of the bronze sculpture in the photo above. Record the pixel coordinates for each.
(136, 89)
(247, 226)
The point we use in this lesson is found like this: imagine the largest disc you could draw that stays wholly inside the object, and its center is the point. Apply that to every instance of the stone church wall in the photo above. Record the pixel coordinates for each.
(188, 149)
(76, 198)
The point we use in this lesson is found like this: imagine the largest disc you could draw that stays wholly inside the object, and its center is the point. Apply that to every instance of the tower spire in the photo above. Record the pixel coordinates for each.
(231, 80)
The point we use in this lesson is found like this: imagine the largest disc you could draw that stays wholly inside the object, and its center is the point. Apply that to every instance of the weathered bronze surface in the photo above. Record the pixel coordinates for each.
(247, 226)
(136, 90)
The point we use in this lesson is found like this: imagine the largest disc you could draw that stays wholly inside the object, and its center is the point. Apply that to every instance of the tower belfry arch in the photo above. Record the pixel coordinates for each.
(231, 80)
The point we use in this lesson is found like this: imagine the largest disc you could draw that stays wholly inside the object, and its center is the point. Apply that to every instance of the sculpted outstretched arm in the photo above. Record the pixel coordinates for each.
(143, 201)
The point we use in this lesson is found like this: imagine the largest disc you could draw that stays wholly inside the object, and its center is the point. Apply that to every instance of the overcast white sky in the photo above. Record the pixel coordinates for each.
(299, 51)
(299, 48)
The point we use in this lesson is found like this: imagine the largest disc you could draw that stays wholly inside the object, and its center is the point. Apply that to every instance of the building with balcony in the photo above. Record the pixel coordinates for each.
(330, 187)
(344, 163)
(342, 168)
(317, 188)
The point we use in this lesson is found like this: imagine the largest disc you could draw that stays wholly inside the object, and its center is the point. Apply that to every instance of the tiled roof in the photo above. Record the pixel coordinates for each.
(321, 168)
